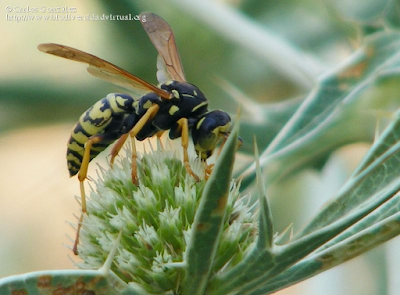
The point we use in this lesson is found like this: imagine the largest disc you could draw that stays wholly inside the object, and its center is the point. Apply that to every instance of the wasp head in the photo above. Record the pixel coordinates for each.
(208, 130)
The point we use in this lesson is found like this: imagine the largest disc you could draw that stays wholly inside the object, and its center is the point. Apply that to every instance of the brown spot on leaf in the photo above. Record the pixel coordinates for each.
(44, 282)
(220, 210)
(343, 86)
(370, 51)
(80, 286)
(202, 227)
(354, 71)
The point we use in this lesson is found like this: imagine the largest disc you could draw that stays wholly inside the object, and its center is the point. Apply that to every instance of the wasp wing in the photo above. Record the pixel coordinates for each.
(161, 35)
(103, 69)
(162, 74)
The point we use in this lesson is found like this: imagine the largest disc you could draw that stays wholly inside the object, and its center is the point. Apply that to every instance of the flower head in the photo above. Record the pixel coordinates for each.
(156, 220)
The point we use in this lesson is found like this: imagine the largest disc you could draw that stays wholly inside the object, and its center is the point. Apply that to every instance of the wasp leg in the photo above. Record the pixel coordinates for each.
(82, 176)
(225, 136)
(75, 248)
(117, 147)
(159, 134)
(150, 113)
(207, 170)
(183, 125)
(135, 180)
(85, 164)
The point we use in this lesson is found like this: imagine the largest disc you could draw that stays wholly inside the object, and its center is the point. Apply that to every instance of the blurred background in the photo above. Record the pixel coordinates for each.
(268, 52)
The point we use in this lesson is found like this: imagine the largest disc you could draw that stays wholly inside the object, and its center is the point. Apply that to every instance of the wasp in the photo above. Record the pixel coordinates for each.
(173, 105)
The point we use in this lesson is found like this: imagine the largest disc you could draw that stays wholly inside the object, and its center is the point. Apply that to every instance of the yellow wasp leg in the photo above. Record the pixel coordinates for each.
(82, 176)
(117, 147)
(75, 248)
(159, 134)
(222, 145)
(134, 164)
(150, 113)
(134, 131)
(207, 170)
(183, 125)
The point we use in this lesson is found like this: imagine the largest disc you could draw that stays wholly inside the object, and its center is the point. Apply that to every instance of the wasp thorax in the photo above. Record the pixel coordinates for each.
(188, 96)
(183, 89)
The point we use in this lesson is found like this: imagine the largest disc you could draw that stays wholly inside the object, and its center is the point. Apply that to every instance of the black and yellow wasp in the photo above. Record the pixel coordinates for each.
(174, 105)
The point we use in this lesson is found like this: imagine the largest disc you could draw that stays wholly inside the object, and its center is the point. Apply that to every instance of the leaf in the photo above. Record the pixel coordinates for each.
(65, 282)
(334, 113)
(100, 282)
(262, 265)
(263, 121)
(376, 175)
(208, 223)
(364, 241)
(360, 239)
(265, 222)
(363, 216)
(370, 14)
(237, 28)
(392, 16)
(360, 10)
(321, 112)
(387, 205)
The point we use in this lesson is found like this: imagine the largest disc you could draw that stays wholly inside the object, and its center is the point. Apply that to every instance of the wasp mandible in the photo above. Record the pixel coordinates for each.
(173, 105)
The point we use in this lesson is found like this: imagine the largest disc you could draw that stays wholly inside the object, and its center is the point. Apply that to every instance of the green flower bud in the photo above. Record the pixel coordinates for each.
(156, 219)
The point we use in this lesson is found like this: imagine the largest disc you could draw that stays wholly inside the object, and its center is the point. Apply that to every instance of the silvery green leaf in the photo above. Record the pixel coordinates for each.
(376, 176)
(336, 112)
(209, 219)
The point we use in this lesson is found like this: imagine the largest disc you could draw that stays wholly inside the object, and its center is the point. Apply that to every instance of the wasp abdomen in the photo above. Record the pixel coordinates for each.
(108, 118)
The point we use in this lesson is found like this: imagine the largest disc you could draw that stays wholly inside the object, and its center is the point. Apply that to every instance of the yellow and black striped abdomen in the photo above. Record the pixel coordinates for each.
(105, 118)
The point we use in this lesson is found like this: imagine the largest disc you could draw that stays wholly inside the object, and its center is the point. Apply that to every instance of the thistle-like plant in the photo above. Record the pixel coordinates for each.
(171, 235)
(172, 227)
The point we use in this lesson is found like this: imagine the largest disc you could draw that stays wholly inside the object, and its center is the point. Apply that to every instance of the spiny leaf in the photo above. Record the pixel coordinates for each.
(100, 282)
(388, 204)
(261, 265)
(377, 173)
(66, 282)
(360, 10)
(263, 121)
(365, 240)
(381, 204)
(333, 114)
(207, 226)
(265, 224)
(392, 16)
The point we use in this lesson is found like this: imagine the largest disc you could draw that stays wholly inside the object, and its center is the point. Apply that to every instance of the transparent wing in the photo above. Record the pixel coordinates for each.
(103, 69)
(162, 73)
(161, 35)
